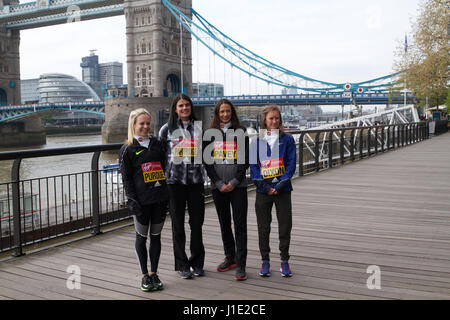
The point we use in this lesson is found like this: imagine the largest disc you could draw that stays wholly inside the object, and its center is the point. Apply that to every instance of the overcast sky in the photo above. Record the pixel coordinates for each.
(329, 40)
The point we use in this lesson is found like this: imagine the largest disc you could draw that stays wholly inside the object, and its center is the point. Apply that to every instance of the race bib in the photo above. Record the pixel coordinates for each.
(152, 172)
(272, 168)
(185, 147)
(225, 150)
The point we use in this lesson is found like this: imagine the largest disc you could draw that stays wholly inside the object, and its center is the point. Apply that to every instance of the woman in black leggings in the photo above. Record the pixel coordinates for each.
(142, 164)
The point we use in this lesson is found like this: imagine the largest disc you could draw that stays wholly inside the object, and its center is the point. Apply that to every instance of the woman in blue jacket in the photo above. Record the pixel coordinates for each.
(272, 165)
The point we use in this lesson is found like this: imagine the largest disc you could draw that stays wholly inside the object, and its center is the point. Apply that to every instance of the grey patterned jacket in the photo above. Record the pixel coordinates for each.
(183, 168)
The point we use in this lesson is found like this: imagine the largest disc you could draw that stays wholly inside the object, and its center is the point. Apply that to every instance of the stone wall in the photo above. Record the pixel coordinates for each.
(117, 112)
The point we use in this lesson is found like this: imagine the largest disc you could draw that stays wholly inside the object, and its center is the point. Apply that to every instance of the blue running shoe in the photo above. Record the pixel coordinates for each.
(285, 270)
(265, 269)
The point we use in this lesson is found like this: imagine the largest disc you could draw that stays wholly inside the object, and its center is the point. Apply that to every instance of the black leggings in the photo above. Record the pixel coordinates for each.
(151, 219)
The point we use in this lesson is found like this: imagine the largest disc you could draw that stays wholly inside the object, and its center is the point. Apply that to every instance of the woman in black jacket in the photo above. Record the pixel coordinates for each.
(229, 150)
(142, 163)
(182, 137)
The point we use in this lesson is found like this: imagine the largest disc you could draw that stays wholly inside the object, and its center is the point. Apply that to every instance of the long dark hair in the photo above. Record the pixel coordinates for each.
(173, 117)
(215, 122)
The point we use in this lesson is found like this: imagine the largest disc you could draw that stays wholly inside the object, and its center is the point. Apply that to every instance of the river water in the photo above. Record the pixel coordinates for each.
(57, 165)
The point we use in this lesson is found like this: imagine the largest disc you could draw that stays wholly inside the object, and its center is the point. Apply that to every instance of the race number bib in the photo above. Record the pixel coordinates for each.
(272, 168)
(225, 150)
(152, 172)
(185, 147)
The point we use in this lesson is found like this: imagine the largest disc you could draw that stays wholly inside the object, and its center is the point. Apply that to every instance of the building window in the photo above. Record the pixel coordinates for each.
(137, 49)
(137, 21)
(144, 48)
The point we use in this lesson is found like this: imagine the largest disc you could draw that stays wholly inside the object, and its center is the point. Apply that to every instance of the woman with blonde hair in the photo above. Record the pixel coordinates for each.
(272, 165)
(142, 163)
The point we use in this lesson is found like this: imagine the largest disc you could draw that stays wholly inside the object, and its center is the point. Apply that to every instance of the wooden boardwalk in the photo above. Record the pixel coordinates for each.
(392, 211)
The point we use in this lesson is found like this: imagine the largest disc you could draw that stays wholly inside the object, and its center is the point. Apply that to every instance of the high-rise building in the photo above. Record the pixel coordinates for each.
(101, 76)
(207, 90)
(111, 74)
(29, 90)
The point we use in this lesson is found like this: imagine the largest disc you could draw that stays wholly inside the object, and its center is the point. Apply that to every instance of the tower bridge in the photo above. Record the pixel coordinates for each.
(159, 36)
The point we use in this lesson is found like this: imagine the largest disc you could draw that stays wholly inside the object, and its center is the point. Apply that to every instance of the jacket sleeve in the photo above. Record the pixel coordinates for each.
(255, 171)
(242, 168)
(290, 158)
(210, 171)
(128, 183)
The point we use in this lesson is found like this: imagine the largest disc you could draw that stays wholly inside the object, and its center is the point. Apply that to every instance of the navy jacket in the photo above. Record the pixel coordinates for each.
(267, 171)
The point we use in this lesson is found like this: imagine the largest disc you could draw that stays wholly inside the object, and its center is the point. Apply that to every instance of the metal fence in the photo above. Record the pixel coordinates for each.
(39, 209)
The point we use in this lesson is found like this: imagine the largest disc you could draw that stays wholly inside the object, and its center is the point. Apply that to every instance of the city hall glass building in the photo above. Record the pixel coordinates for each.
(56, 87)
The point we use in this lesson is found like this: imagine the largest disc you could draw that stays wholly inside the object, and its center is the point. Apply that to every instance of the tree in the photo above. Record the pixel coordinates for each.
(424, 65)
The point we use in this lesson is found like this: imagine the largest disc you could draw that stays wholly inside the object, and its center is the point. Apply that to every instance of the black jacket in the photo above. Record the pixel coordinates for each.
(230, 171)
(142, 173)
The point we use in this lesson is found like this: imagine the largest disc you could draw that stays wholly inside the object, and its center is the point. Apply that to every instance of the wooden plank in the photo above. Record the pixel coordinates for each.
(390, 210)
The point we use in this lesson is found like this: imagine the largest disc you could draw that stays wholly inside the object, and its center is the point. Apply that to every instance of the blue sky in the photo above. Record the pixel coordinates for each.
(330, 40)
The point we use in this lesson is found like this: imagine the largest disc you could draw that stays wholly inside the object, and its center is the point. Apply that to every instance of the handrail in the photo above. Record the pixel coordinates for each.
(317, 150)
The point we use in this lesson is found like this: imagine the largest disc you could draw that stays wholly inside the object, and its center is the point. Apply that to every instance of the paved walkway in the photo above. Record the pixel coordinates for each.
(391, 211)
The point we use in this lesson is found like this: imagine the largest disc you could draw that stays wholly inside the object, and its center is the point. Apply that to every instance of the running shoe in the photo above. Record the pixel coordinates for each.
(146, 284)
(198, 272)
(240, 275)
(285, 270)
(265, 269)
(157, 284)
(185, 274)
(226, 265)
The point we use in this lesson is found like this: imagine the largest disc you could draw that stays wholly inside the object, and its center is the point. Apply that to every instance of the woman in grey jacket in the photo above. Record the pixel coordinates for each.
(229, 151)
(185, 180)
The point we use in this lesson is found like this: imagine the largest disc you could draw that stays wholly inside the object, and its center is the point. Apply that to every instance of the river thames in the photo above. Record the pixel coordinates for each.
(57, 165)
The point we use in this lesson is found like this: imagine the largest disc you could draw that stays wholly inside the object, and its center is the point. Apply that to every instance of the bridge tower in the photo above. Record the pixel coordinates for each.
(154, 49)
(9, 62)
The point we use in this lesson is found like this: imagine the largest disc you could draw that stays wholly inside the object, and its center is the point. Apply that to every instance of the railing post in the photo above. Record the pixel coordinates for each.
(330, 150)
(388, 139)
(95, 197)
(403, 134)
(15, 178)
(316, 151)
(300, 155)
(383, 134)
(398, 135)
(369, 143)
(342, 145)
(361, 143)
(376, 140)
(352, 145)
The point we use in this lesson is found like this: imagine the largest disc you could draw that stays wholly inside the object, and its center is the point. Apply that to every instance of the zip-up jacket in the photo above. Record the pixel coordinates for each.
(230, 170)
(142, 171)
(181, 153)
(271, 172)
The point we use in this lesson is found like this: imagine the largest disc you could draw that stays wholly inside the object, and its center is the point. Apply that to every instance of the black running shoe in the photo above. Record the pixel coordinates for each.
(157, 284)
(198, 272)
(146, 284)
(240, 275)
(185, 274)
(226, 265)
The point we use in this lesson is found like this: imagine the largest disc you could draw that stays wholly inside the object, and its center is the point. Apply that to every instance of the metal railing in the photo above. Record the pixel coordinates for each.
(327, 148)
(34, 210)
(43, 208)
